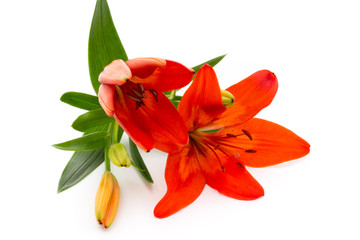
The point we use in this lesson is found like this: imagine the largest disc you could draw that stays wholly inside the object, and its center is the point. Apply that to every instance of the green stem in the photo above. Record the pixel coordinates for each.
(108, 143)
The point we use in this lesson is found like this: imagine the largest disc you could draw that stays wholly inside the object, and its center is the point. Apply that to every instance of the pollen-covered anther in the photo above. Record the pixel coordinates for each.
(141, 88)
(137, 93)
(154, 93)
(136, 99)
(231, 135)
(250, 151)
(247, 134)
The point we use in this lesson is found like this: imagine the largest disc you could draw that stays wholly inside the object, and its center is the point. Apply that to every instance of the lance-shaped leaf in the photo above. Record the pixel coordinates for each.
(87, 142)
(139, 162)
(80, 165)
(211, 62)
(81, 100)
(104, 42)
(91, 119)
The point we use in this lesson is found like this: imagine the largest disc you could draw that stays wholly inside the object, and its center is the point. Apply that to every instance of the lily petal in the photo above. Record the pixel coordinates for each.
(156, 119)
(184, 185)
(106, 98)
(251, 95)
(202, 102)
(164, 78)
(235, 181)
(116, 73)
(144, 67)
(271, 143)
(162, 119)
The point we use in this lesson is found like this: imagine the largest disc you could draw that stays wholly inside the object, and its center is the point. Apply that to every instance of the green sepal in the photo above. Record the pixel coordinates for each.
(80, 165)
(104, 42)
(91, 119)
(81, 100)
(211, 62)
(139, 162)
(87, 142)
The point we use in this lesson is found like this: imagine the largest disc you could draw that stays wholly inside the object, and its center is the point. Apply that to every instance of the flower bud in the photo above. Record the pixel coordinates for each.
(119, 156)
(107, 199)
(227, 98)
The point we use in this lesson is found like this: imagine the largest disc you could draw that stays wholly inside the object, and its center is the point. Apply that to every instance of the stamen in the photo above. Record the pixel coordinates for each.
(239, 164)
(247, 134)
(230, 135)
(137, 93)
(250, 151)
(133, 98)
(155, 94)
(141, 88)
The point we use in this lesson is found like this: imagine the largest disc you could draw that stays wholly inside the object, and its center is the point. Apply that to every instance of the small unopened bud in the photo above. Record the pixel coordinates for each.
(227, 98)
(107, 199)
(119, 156)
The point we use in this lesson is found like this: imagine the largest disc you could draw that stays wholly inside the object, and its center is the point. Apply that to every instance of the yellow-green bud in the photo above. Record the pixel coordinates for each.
(227, 98)
(119, 156)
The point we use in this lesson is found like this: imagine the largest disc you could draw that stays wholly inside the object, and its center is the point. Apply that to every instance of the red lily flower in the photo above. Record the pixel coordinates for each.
(218, 158)
(132, 92)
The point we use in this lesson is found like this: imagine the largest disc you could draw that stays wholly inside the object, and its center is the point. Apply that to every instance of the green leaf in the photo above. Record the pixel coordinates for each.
(104, 42)
(81, 100)
(91, 119)
(211, 62)
(80, 165)
(139, 162)
(87, 142)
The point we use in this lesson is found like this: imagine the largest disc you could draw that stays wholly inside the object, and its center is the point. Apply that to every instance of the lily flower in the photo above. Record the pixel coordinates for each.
(224, 140)
(132, 93)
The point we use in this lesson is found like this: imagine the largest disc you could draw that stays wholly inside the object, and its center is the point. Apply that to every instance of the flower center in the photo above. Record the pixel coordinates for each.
(216, 144)
(135, 92)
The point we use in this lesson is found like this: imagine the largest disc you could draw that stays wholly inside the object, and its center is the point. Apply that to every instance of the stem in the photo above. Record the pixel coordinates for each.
(108, 143)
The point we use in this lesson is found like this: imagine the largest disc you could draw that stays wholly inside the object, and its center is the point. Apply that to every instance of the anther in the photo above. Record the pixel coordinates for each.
(239, 164)
(136, 93)
(250, 151)
(247, 134)
(155, 94)
(133, 98)
(223, 169)
(230, 135)
(141, 88)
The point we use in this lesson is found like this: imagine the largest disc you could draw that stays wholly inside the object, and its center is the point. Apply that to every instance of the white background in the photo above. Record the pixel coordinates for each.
(312, 46)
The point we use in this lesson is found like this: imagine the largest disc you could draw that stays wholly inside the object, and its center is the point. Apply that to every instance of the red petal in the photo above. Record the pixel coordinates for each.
(251, 95)
(106, 98)
(271, 143)
(132, 124)
(116, 73)
(184, 185)
(202, 102)
(157, 120)
(162, 79)
(144, 67)
(163, 120)
(235, 181)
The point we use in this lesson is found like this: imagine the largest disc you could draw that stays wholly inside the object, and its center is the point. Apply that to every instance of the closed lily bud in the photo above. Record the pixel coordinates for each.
(119, 156)
(107, 199)
(227, 98)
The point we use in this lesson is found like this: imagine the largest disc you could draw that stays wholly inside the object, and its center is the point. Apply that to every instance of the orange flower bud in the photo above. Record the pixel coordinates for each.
(107, 199)
(227, 98)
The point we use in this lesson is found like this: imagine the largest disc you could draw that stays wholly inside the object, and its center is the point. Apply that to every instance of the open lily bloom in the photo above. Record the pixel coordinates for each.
(132, 92)
(225, 140)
